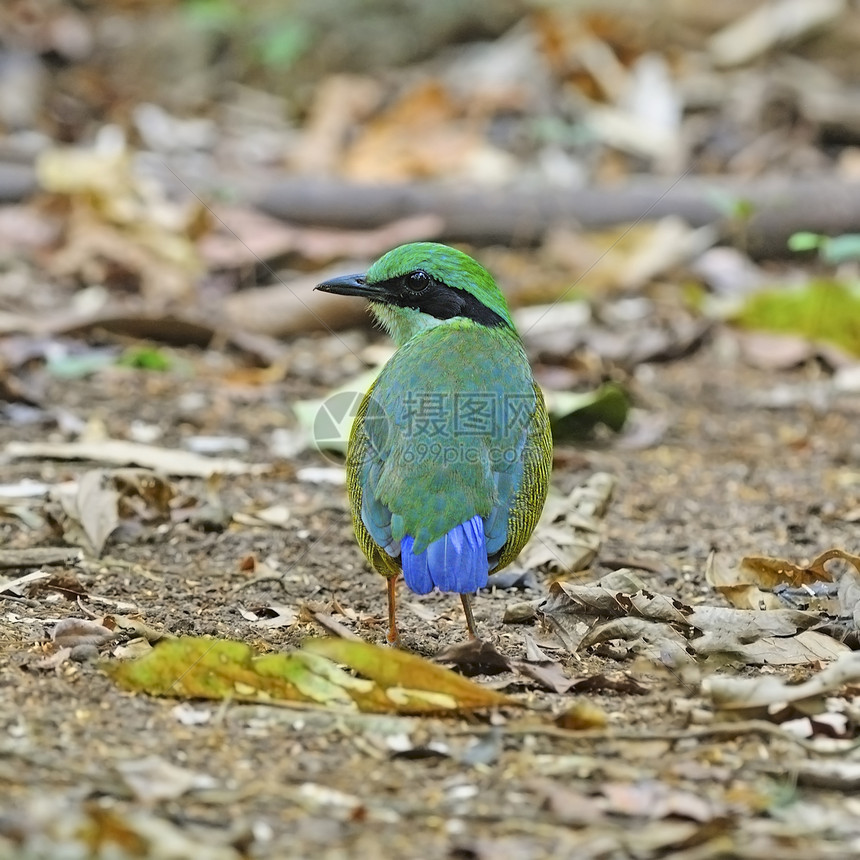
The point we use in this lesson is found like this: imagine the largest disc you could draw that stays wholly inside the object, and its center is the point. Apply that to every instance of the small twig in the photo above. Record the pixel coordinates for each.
(12, 585)
(715, 730)
(39, 557)
(729, 729)
(265, 577)
(118, 605)
(331, 625)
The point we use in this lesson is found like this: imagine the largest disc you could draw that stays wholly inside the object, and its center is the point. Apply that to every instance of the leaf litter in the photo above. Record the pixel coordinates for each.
(666, 630)
(585, 696)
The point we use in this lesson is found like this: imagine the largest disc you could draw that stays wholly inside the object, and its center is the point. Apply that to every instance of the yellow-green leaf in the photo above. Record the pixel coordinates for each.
(396, 682)
(405, 677)
(820, 311)
(576, 414)
(194, 668)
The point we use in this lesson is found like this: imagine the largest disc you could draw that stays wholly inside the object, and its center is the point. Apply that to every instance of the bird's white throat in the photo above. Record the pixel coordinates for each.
(402, 324)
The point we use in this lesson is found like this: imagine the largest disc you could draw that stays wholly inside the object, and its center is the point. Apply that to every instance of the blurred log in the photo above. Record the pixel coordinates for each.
(778, 207)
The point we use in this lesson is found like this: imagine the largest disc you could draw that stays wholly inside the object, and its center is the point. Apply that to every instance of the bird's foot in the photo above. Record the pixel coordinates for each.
(466, 600)
(393, 633)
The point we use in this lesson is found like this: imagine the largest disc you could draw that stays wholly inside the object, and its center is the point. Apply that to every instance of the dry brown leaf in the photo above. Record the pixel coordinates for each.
(340, 101)
(667, 631)
(168, 461)
(732, 584)
(817, 565)
(294, 305)
(474, 657)
(749, 625)
(625, 685)
(245, 238)
(152, 779)
(569, 532)
(617, 594)
(87, 510)
(270, 617)
(534, 653)
(770, 572)
(423, 134)
(71, 632)
(277, 516)
(765, 690)
(547, 673)
(96, 508)
(808, 646)
(656, 641)
(136, 626)
(143, 494)
(653, 799)
(581, 716)
(567, 805)
(750, 586)
(118, 221)
(63, 583)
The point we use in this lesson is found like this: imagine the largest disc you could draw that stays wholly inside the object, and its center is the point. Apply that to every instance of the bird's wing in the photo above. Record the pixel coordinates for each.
(371, 519)
(530, 491)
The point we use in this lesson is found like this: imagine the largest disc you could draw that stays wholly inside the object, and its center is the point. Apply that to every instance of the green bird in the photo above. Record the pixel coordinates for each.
(450, 452)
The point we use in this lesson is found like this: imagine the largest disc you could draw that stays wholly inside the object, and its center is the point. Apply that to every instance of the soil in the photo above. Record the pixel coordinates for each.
(739, 468)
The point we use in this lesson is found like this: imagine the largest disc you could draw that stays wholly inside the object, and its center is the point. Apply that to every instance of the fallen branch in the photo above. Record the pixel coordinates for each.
(714, 730)
(779, 206)
(11, 559)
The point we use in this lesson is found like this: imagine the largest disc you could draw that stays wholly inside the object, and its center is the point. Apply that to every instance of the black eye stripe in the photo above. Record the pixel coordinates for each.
(419, 291)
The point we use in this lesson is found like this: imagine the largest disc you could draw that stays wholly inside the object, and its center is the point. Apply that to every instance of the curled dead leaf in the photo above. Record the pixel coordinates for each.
(71, 632)
(765, 690)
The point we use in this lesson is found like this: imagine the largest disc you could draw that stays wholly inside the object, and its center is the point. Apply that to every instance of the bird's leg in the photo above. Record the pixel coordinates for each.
(466, 600)
(393, 634)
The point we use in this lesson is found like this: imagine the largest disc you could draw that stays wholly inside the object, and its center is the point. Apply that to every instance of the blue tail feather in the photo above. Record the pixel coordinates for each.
(455, 562)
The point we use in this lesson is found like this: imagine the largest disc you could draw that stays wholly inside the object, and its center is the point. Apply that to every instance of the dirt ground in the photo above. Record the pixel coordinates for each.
(750, 463)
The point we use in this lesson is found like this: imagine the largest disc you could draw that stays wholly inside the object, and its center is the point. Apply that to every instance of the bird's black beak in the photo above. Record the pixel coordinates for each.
(354, 285)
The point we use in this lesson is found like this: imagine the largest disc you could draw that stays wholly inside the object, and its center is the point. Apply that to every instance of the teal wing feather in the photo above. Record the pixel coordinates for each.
(530, 495)
(363, 464)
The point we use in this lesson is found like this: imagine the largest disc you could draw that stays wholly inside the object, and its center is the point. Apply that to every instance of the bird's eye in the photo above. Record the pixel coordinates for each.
(417, 282)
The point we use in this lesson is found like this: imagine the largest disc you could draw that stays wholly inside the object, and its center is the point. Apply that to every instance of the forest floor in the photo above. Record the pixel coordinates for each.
(743, 467)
